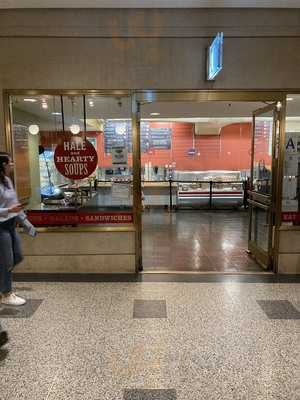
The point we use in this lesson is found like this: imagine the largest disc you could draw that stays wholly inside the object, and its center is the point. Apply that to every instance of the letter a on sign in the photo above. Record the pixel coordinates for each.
(290, 146)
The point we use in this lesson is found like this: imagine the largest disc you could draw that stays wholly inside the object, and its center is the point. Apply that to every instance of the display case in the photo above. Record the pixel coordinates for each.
(159, 194)
(211, 189)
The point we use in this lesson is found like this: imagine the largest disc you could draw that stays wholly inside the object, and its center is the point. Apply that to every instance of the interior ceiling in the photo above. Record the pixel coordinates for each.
(113, 108)
(217, 109)
(149, 4)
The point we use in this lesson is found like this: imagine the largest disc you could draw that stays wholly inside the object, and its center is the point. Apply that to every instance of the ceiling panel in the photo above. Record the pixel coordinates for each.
(217, 112)
(149, 3)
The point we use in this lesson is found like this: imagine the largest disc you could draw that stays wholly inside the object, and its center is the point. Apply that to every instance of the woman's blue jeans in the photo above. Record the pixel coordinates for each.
(10, 253)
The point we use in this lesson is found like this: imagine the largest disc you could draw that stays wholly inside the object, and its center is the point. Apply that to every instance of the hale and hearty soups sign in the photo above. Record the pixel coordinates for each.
(76, 158)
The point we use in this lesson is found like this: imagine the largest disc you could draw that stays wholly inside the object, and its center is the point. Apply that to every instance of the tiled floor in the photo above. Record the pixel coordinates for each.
(149, 309)
(197, 240)
(217, 340)
(279, 309)
(25, 311)
(150, 394)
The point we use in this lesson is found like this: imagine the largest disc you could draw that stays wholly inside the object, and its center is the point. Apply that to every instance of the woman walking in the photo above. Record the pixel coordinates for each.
(10, 249)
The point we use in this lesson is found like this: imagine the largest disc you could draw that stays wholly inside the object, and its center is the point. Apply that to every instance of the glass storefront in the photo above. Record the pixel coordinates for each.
(73, 158)
(183, 164)
(74, 161)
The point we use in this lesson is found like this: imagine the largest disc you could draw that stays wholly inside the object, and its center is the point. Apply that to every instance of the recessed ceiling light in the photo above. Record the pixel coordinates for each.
(30, 100)
(56, 113)
(154, 114)
(290, 98)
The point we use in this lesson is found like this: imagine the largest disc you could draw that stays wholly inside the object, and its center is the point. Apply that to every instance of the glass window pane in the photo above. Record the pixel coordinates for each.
(109, 129)
(260, 228)
(69, 171)
(35, 122)
(263, 141)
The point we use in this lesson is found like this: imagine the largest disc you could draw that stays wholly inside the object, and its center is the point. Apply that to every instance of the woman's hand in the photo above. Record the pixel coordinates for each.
(16, 208)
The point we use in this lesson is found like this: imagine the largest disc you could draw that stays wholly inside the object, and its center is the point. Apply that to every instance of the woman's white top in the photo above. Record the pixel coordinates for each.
(8, 198)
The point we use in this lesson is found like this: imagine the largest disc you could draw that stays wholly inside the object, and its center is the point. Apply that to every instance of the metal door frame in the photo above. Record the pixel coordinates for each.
(262, 201)
(270, 202)
(149, 96)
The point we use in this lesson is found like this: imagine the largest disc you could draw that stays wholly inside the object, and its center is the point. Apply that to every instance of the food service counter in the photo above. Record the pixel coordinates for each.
(211, 194)
(159, 194)
(156, 194)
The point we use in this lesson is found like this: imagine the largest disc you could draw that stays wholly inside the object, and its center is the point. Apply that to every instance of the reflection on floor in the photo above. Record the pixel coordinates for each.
(227, 340)
(196, 241)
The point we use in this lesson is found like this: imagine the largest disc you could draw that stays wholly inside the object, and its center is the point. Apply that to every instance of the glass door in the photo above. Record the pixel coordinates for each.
(263, 185)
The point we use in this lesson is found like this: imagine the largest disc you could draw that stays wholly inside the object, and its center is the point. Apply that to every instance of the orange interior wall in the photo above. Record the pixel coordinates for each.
(231, 150)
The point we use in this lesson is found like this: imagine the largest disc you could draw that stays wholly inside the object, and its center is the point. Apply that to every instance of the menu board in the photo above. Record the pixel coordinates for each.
(119, 133)
(145, 137)
(160, 138)
(21, 161)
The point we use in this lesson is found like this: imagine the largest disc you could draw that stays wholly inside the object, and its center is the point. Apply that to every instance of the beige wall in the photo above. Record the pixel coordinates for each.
(135, 49)
(138, 63)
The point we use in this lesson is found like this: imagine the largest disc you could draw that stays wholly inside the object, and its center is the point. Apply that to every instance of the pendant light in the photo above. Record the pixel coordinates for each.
(33, 129)
(74, 128)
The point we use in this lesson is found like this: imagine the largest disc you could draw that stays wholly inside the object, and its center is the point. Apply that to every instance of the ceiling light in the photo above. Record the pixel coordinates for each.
(154, 114)
(30, 100)
(56, 113)
(75, 129)
(290, 98)
(33, 129)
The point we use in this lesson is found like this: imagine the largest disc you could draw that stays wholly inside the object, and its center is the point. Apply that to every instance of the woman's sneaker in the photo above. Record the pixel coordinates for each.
(12, 299)
(3, 338)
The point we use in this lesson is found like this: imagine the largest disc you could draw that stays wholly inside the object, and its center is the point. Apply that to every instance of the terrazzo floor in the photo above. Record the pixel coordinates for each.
(197, 240)
(154, 341)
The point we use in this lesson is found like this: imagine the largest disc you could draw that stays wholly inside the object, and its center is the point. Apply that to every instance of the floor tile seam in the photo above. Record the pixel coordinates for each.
(212, 277)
